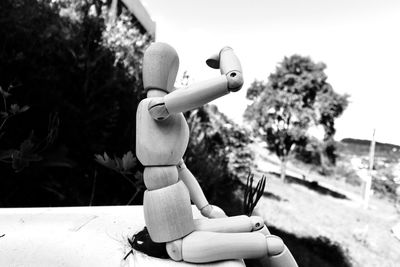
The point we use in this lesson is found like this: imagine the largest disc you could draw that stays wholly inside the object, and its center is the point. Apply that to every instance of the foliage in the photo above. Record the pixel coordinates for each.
(128, 44)
(218, 156)
(322, 155)
(122, 166)
(296, 97)
(385, 177)
(310, 152)
(384, 184)
(19, 158)
(126, 167)
(73, 85)
(344, 170)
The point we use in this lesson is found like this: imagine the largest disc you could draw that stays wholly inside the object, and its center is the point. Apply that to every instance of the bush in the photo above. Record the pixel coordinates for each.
(71, 84)
(384, 183)
(59, 60)
(218, 156)
(321, 154)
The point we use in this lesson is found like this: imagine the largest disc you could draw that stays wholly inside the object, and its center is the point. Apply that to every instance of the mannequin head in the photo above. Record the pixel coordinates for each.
(160, 67)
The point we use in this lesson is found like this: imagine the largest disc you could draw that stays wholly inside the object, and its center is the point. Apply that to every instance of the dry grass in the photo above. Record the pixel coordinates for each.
(365, 234)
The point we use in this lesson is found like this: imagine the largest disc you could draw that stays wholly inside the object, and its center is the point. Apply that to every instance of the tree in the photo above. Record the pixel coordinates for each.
(70, 83)
(218, 156)
(296, 97)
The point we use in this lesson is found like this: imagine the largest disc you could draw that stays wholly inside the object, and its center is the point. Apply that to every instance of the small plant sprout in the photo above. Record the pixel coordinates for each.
(124, 167)
(12, 110)
(252, 195)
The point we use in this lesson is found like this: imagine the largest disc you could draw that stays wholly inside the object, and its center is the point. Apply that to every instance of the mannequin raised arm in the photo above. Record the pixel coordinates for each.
(198, 94)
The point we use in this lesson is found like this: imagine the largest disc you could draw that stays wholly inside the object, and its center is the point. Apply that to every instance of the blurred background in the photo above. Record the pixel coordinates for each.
(316, 114)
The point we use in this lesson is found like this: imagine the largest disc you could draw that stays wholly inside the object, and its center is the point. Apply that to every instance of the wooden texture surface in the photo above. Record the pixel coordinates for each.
(211, 246)
(285, 259)
(160, 142)
(196, 95)
(159, 177)
(168, 213)
(195, 191)
(160, 66)
(78, 236)
(228, 61)
(234, 224)
(213, 61)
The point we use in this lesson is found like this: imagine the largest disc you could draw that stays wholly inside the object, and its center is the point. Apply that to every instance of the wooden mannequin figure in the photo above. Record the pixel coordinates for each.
(162, 136)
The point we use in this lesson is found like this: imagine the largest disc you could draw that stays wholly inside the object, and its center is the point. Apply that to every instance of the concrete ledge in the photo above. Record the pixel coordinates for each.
(77, 236)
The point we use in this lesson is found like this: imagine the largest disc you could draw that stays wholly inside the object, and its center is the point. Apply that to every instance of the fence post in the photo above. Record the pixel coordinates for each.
(368, 182)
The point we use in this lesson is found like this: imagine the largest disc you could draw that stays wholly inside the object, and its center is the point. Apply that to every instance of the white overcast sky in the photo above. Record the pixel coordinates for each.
(359, 40)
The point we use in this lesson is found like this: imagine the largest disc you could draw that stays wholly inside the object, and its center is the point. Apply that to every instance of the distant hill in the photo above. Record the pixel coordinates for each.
(359, 147)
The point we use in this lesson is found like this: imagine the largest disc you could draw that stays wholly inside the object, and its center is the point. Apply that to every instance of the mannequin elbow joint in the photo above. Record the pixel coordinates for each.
(235, 80)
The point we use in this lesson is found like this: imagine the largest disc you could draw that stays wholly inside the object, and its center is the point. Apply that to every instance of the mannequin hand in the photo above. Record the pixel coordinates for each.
(211, 211)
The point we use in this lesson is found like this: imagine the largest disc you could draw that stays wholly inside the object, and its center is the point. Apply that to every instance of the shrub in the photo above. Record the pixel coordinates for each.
(59, 59)
(71, 85)
(218, 156)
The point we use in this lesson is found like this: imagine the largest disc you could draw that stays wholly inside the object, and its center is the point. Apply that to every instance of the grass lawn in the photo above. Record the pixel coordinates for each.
(364, 233)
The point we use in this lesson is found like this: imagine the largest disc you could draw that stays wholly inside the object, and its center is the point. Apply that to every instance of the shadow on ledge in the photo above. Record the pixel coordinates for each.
(274, 197)
(313, 185)
(312, 252)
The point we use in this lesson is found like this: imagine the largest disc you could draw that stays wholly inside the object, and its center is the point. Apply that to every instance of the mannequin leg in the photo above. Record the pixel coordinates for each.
(200, 247)
(234, 224)
(281, 260)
